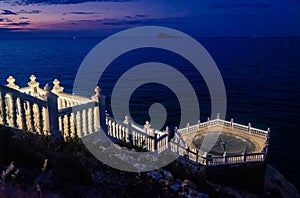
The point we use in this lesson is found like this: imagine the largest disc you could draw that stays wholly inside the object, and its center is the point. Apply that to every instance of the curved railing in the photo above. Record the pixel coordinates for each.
(48, 110)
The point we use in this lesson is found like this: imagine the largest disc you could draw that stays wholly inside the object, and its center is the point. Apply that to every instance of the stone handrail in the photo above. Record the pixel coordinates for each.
(51, 111)
(25, 112)
(248, 129)
(80, 120)
(33, 89)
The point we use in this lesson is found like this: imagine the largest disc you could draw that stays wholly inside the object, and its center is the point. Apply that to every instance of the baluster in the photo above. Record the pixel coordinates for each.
(35, 109)
(13, 111)
(72, 125)
(120, 132)
(22, 115)
(27, 117)
(46, 121)
(66, 128)
(19, 125)
(117, 131)
(62, 103)
(31, 115)
(8, 109)
(59, 103)
(78, 122)
(3, 109)
(67, 103)
(97, 120)
(90, 120)
(85, 122)
(40, 119)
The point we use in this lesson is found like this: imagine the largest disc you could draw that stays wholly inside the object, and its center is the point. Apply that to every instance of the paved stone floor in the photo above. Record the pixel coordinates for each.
(220, 139)
(216, 143)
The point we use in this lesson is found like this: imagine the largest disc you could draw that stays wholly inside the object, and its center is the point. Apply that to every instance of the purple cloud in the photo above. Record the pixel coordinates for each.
(49, 2)
(8, 12)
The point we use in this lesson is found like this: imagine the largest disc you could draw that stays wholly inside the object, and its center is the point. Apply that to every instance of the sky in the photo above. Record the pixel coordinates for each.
(93, 18)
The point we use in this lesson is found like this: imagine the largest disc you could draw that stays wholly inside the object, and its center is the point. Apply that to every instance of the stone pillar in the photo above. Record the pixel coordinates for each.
(231, 122)
(56, 87)
(205, 157)
(98, 97)
(268, 134)
(169, 133)
(11, 83)
(224, 156)
(128, 122)
(33, 85)
(53, 112)
(244, 155)
(188, 127)
(147, 126)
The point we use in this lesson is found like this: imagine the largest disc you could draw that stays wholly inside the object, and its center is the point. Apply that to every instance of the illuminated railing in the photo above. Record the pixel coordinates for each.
(51, 111)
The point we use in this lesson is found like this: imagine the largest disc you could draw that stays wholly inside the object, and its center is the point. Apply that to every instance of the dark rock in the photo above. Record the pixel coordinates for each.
(188, 184)
(277, 185)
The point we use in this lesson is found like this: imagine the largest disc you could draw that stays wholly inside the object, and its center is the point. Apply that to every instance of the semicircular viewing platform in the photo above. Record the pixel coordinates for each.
(219, 142)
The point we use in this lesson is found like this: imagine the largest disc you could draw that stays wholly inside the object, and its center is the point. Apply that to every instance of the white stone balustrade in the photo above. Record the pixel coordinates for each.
(50, 110)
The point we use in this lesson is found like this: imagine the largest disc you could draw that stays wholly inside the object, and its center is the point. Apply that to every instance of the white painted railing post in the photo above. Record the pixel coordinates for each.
(231, 122)
(249, 127)
(53, 112)
(169, 133)
(98, 97)
(11, 83)
(33, 85)
(225, 157)
(128, 136)
(244, 155)
(147, 126)
(56, 87)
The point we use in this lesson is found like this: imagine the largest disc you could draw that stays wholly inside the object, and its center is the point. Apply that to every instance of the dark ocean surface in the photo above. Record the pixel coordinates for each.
(261, 76)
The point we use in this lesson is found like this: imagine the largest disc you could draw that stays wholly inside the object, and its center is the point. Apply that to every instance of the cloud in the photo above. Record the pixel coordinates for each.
(140, 15)
(242, 5)
(50, 2)
(19, 24)
(30, 12)
(135, 16)
(126, 22)
(81, 13)
(7, 20)
(8, 12)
